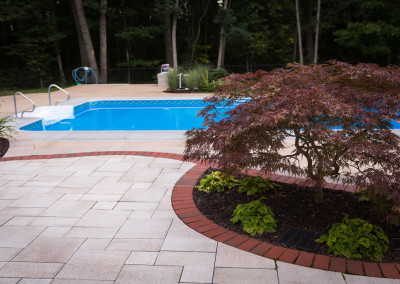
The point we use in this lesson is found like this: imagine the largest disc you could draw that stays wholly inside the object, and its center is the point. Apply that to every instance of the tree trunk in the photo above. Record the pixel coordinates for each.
(315, 61)
(173, 35)
(318, 191)
(222, 41)
(198, 31)
(308, 32)
(87, 40)
(127, 56)
(167, 34)
(60, 65)
(103, 41)
(299, 32)
(82, 51)
(295, 46)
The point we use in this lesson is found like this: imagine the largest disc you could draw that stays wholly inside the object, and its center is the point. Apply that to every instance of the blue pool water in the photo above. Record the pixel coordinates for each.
(129, 115)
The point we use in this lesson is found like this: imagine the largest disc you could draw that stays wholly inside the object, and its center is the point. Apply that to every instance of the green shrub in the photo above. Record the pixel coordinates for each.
(215, 74)
(255, 217)
(217, 182)
(173, 79)
(356, 238)
(6, 130)
(193, 79)
(206, 85)
(255, 185)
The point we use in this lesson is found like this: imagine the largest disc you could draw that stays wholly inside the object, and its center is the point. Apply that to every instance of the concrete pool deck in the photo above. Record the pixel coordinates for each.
(109, 218)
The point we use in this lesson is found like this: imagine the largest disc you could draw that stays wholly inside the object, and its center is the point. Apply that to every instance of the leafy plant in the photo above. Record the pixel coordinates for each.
(193, 79)
(6, 130)
(356, 238)
(217, 182)
(255, 185)
(339, 116)
(215, 74)
(384, 199)
(255, 217)
(172, 78)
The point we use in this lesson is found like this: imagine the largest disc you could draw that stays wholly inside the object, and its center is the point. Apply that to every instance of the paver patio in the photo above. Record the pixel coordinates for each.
(98, 232)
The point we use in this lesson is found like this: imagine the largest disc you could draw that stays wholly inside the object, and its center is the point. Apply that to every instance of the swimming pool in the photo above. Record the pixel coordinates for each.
(127, 115)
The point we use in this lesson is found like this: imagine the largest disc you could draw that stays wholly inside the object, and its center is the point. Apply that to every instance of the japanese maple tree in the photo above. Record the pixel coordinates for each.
(339, 117)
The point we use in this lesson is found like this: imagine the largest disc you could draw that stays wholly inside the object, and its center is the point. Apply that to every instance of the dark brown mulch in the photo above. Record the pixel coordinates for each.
(294, 207)
(4, 145)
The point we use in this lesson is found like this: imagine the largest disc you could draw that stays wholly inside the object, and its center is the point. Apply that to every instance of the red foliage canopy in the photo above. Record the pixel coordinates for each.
(339, 116)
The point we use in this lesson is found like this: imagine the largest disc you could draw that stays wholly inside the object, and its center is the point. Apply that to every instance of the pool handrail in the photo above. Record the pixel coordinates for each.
(15, 104)
(61, 89)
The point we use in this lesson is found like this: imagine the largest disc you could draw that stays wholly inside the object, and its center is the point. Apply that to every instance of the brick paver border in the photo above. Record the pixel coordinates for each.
(185, 208)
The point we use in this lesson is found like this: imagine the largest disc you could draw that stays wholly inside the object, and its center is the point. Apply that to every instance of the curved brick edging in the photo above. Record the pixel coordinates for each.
(183, 204)
(185, 208)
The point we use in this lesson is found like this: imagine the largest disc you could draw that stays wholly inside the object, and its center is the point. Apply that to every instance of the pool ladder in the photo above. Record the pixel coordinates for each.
(33, 104)
(15, 104)
(61, 89)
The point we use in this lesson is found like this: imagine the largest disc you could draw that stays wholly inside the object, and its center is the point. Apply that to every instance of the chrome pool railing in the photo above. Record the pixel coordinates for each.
(61, 89)
(15, 104)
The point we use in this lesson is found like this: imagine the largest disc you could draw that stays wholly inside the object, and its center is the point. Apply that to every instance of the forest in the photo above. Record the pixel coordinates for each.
(42, 41)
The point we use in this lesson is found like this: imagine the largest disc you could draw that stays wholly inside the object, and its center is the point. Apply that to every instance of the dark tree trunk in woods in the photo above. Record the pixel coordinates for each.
(60, 65)
(82, 51)
(309, 32)
(299, 40)
(127, 47)
(103, 41)
(173, 35)
(207, 4)
(222, 40)
(315, 61)
(87, 40)
(167, 34)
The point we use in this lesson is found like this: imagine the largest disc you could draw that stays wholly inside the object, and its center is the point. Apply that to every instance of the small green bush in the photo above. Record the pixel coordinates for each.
(255, 185)
(193, 79)
(172, 78)
(207, 85)
(6, 130)
(217, 73)
(255, 217)
(217, 182)
(356, 238)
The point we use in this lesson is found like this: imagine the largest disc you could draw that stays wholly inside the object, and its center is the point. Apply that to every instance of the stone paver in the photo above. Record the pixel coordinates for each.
(290, 273)
(242, 275)
(50, 250)
(132, 274)
(228, 256)
(18, 236)
(94, 265)
(109, 219)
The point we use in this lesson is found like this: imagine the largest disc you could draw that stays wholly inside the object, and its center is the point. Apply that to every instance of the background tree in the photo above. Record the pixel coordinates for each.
(259, 34)
(103, 40)
(224, 18)
(308, 104)
(84, 30)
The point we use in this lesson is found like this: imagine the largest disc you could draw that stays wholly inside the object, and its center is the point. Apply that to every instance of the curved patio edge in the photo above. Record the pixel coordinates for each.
(185, 208)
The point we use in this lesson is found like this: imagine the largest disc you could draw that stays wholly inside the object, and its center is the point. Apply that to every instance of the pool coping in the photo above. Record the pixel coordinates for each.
(185, 208)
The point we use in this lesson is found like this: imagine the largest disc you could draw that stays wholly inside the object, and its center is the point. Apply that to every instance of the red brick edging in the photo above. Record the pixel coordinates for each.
(183, 204)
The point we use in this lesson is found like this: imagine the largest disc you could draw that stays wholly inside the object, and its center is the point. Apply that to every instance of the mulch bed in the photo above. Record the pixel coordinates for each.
(4, 145)
(293, 206)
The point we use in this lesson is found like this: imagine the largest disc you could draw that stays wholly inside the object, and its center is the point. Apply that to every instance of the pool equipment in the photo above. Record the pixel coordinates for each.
(164, 68)
(84, 75)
